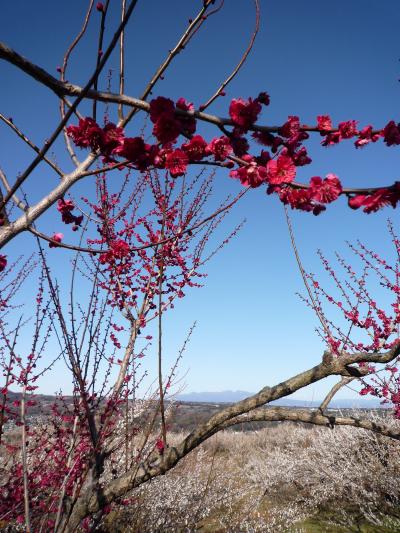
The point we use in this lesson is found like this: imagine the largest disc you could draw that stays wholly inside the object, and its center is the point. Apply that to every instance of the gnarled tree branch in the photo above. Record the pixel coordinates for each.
(156, 464)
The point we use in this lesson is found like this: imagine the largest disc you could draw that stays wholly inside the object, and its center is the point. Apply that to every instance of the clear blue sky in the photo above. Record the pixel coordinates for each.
(338, 58)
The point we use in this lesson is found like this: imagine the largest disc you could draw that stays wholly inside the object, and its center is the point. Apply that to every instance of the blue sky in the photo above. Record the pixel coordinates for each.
(338, 58)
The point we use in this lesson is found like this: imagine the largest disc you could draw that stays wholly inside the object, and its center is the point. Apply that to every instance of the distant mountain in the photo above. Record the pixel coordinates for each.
(345, 403)
(229, 396)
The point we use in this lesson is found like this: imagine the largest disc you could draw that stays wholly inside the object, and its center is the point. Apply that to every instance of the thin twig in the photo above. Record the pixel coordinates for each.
(303, 274)
(172, 53)
(22, 136)
(144, 246)
(241, 62)
(160, 312)
(64, 101)
(122, 62)
(25, 463)
(99, 50)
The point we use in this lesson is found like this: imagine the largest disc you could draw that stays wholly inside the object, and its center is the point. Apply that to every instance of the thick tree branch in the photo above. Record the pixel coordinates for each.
(280, 414)
(47, 145)
(63, 89)
(32, 213)
(158, 464)
(328, 398)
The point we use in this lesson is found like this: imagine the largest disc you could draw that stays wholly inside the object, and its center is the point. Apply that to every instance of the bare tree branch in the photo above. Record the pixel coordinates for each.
(157, 464)
(61, 89)
(64, 101)
(22, 177)
(328, 398)
(241, 62)
(22, 136)
(172, 53)
(280, 414)
(32, 213)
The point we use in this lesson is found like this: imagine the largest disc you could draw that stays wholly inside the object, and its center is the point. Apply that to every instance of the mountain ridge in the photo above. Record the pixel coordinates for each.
(229, 396)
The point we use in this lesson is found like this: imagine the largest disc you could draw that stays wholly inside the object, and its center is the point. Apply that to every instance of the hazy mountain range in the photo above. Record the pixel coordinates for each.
(227, 396)
(230, 396)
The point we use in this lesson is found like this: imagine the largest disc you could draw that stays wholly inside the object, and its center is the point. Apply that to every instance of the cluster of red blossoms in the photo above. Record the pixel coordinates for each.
(275, 167)
(49, 471)
(65, 207)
